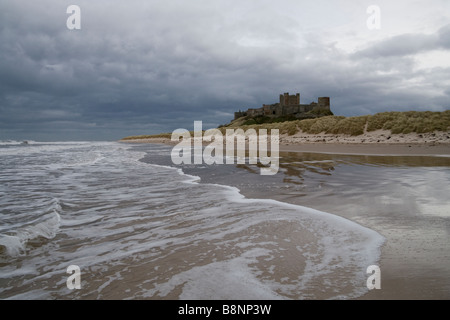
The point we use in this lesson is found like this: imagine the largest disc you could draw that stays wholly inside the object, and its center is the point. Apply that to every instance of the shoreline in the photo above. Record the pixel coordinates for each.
(400, 149)
(395, 284)
(380, 142)
(374, 143)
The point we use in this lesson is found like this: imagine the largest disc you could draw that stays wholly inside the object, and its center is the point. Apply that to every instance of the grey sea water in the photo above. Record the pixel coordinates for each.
(139, 227)
(142, 230)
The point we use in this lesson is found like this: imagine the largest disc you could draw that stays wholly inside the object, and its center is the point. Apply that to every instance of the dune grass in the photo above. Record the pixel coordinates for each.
(411, 121)
(396, 122)
(152, 136)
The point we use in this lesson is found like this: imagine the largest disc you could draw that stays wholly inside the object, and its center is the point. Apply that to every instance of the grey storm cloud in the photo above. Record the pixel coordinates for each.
(408, 44)
(141, 67)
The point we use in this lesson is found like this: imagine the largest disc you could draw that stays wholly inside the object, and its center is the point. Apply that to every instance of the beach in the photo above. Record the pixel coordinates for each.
(224, 151)
(398, 189)
(140, 227)
(137, 227)
(401, 197)
(376, 142)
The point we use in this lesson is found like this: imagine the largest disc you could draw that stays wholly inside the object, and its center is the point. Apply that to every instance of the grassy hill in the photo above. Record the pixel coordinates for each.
(396, 122)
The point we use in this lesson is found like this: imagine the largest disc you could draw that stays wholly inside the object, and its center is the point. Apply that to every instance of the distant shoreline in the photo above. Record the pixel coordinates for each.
(380, 142)
(374, 143)
(389, 133)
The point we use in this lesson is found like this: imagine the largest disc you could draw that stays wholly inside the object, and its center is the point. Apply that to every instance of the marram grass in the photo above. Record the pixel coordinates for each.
(396, 122)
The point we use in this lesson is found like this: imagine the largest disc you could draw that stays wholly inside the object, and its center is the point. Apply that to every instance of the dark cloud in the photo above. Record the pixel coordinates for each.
(444, 37)
(408, 44)
(145, 67)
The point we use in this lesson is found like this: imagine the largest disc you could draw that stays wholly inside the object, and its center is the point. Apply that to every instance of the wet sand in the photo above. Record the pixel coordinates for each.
(415, 259)
(376, 143)
(369, 149)
(403, 198)
(389, 188)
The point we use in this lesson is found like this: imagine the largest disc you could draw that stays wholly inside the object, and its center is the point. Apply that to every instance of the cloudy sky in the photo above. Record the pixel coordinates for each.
(147, 66)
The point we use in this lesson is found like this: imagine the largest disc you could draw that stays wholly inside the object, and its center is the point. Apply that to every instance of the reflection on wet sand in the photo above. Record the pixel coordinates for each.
(405, 198)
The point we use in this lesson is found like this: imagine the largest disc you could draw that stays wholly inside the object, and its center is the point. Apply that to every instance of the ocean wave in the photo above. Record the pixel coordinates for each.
(160, 233)
(16, 142)
(336, 246)
(46, 227)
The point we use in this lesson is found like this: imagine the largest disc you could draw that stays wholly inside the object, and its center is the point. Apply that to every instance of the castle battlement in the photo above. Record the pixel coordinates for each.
(289, 105)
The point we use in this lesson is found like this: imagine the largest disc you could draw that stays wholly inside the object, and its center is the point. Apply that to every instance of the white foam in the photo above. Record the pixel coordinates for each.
(16, 244)
(353, 245)
(15, 142)
(225, 280)
(119, 211)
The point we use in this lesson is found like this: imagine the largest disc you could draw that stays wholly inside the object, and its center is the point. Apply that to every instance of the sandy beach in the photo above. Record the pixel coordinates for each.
(369, 149)
(141, 227)
(378, 142)
(224, 152)
(411, 241)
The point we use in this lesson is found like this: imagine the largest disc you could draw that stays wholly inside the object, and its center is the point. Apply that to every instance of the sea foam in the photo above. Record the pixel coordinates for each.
(140, 230)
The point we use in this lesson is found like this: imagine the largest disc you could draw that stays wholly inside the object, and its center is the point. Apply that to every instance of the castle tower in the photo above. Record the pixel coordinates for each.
(289, 106)
(286, 99)
(324, 103)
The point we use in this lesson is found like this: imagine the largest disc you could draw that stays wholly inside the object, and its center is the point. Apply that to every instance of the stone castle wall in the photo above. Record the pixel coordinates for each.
(288, 105)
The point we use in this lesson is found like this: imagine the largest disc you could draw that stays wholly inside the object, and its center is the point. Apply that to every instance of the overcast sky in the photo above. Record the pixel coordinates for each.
(145, 66)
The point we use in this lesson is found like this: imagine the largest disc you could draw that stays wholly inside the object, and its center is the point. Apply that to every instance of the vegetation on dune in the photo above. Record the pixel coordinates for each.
(153, 136)
(265, 119)
(411, 121)
(353, 126)
(319, 125)
(396, 122)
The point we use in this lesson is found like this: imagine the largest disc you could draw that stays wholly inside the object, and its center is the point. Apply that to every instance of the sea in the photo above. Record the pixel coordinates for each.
(136, 226)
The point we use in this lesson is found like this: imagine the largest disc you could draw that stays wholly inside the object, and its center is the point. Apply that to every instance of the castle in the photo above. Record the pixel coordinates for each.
(289, 105)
